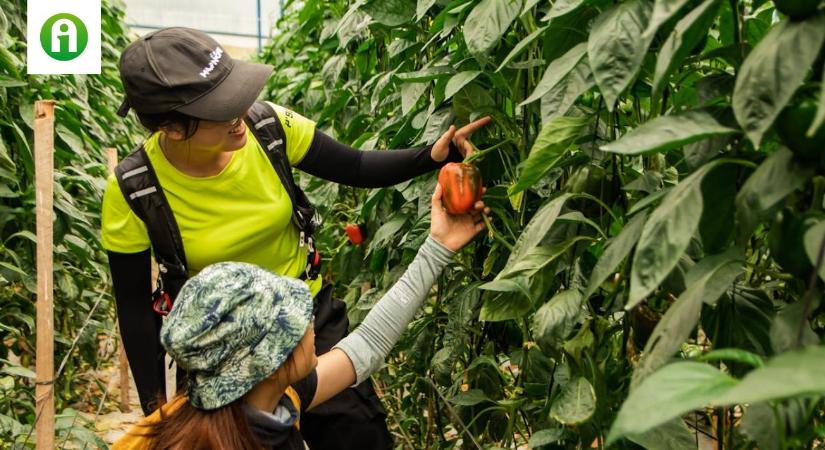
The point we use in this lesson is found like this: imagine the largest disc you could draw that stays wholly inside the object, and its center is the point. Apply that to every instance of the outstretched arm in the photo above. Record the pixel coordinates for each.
(333, 161)
(363, 352)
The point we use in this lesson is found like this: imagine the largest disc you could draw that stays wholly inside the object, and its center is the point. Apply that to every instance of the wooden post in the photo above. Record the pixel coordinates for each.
(44, 201)
(123, 363)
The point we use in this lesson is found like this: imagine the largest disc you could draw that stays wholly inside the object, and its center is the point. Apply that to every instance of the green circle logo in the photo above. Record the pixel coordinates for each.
(64, 37)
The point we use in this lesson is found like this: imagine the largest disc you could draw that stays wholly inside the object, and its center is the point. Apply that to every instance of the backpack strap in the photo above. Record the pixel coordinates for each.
(265, 125)
(142, 191)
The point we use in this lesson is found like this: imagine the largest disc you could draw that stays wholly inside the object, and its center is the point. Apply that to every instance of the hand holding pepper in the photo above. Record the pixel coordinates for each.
(460, 138)
(455, 231)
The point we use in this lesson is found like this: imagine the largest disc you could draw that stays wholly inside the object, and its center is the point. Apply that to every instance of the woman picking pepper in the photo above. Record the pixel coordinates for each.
(229, 204)
(246, 338)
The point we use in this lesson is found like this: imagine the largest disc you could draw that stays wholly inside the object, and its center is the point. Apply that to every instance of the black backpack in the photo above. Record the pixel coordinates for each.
(139, 185)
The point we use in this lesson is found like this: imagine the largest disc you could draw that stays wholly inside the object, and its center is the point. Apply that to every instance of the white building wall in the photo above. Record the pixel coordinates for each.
(232, 23)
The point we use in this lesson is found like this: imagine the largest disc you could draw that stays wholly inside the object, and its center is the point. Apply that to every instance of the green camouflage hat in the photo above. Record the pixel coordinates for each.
(233, 325)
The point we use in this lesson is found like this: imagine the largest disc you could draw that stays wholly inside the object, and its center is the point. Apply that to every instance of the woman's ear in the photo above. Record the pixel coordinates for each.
(174, 132)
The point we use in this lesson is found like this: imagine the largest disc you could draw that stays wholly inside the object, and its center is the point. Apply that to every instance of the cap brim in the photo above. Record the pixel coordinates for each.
(233, 96)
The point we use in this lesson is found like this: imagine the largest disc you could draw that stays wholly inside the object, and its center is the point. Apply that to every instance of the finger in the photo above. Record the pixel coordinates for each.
(480, 226)
(445, 138)
(436, 200)
(479, 206)
(472, 127)
(468, 148)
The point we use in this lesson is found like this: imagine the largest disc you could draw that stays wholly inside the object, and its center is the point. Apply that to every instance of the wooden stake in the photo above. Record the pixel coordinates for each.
(44, 200)
(123, 363)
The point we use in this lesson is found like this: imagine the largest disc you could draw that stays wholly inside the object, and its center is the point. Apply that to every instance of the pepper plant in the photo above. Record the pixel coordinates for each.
(653, 268)
(85, 124)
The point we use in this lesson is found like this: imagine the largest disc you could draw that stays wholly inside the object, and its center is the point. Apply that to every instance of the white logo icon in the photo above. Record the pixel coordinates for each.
(64, 27)
(214, 57)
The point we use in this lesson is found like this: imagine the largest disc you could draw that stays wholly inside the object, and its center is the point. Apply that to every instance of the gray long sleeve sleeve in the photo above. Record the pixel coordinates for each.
(369, 344)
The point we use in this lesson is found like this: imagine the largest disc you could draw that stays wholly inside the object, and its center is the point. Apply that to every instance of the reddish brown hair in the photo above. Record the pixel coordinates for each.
(224, 428)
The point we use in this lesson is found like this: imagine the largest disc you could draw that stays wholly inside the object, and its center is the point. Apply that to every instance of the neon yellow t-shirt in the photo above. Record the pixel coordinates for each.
(241, 214)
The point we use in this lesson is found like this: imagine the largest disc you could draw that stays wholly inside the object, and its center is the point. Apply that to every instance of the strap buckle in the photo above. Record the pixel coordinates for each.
(162, 304)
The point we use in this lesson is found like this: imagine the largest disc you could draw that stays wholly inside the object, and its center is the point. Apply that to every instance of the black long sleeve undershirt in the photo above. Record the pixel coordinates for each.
(131, 273)
(333, 161)
(139, 325)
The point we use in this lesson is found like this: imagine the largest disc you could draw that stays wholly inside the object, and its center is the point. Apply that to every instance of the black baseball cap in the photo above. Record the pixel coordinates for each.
(185, 70)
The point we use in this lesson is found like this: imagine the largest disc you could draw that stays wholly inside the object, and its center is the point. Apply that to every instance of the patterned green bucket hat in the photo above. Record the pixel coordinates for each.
(233, 325)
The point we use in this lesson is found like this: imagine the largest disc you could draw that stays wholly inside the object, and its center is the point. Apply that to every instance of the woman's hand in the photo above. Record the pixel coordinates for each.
(460, 137)
(455, 231)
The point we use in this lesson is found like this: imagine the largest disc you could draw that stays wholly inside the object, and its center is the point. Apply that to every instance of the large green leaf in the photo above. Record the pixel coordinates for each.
(410, 94)
(458, 81)
(616, 252)
(391, 13)
(550, 147)
(666, 235)
(687, 34)
(774, 179)
(556, 319)
(487, 23)
(535, 231)
(673, 435)
(616, 47)
(791, 374)
(662, 11)
(562, 7)
(667, 394)
(558, 100)
(545, 437)
(556, 71)
(422, 6)
(773, 71)
(706, 282)
(667, 133)
(576, 403)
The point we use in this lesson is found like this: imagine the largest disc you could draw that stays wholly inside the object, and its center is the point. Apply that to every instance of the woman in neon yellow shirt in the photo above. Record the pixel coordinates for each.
(230, 205)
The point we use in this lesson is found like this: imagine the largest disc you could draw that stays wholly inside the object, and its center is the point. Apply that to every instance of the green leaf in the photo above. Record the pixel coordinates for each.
(667, 394)
(410, 94)
(663, 10)
(616, 252)
(507, 305)
(687, 34)
(458, 81)
(545, 437)
(558, 100)
(666, 235)
(819, 119)
(773, 71)
(535, 231)
(430, 73)
(706, 282)
(18, 371)
(616, 47)
(391, 13)
(422, 7)
(551, 145)
(562, 7)
(791, 374)
(8, 82)
(487, 23)
(774, 179)
(520, 47)
(556, 319)
(673, 435)
(733, 354)
(814, 238)
(667, 133)
(470, 398)
(556, 71)
(576, 403)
